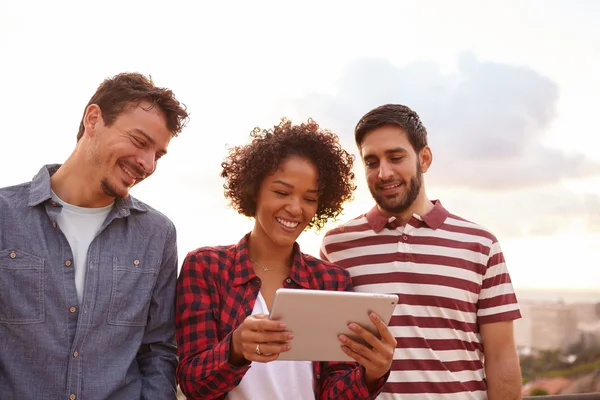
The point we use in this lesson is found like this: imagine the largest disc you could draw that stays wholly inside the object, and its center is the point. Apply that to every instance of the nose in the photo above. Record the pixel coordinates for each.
(385, 171)
(147, 161)
(293, 207)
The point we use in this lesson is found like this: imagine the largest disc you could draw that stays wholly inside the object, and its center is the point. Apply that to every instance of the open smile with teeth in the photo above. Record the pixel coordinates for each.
(130, 173)
(287, 224)
(391, 186)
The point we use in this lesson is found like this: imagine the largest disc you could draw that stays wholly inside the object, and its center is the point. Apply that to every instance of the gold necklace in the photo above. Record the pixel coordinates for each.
(261, 267)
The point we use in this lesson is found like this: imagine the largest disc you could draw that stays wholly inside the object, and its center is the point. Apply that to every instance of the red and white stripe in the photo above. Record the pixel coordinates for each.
(449, 281)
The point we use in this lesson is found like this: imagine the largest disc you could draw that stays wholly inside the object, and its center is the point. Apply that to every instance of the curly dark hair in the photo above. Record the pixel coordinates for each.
(246, 166)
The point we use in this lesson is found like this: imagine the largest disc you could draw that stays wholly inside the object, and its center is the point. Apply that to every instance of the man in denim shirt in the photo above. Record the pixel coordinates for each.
(87, 272)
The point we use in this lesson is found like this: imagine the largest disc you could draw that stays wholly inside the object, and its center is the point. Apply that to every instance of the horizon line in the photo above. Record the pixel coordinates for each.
(561, 288)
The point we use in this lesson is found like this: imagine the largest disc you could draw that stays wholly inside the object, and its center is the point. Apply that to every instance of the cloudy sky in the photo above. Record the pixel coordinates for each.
(508, 90)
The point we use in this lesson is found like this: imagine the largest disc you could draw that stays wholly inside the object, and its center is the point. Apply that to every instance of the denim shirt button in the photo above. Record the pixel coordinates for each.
(136, 262)
(72, 309)
(68, 263)
(54, 224)
(12, 254)
(72, 396)
(75, 354)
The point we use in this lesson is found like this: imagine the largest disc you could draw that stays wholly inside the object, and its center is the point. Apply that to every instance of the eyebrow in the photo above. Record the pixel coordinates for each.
(292, 186)
(388, 152)
(140, 131)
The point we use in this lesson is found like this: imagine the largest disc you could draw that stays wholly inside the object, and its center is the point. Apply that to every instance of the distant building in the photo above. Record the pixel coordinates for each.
(556, 325)
(586, 312)
(590, 333)
(553, 327)
(522, 328)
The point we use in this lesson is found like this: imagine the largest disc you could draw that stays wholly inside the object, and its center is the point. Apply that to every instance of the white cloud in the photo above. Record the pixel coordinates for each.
(486, 121)
(233, 62)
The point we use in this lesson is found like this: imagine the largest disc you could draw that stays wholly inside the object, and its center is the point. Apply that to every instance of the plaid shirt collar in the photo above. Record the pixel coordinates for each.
(244, 271)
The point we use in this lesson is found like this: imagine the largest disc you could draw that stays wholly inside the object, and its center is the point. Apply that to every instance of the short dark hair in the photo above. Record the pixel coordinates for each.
(247, 166)
(394, 115)
(131, 88)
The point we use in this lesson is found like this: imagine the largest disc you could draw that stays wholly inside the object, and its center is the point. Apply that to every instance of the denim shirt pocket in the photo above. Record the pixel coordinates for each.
(21, 287)
(132, 286)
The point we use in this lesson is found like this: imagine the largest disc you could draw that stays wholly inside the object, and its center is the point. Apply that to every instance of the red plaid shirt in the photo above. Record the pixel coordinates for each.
(216, 291)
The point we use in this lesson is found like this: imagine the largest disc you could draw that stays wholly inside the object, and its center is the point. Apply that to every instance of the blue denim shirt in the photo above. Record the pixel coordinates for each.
(119, 344)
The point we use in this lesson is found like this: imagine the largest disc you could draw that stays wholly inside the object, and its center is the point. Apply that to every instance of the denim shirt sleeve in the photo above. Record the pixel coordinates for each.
(157, 357)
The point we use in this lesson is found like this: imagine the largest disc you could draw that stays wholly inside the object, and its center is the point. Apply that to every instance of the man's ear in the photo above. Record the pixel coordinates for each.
(92, 119)
(425, 158)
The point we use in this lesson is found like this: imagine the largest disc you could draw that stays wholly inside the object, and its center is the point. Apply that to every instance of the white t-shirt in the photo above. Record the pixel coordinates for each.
(280, 379)
(80, 226)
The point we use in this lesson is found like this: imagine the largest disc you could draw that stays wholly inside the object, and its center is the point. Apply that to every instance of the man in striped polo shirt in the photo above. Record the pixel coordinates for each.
(454, 320)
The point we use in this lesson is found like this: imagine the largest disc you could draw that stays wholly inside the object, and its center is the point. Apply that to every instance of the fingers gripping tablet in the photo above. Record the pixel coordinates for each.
(317, 317)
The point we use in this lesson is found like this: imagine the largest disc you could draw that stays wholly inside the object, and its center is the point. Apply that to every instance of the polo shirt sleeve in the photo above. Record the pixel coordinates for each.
(497, 300)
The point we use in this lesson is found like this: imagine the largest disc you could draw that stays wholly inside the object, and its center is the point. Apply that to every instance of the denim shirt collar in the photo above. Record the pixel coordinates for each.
(41, 191)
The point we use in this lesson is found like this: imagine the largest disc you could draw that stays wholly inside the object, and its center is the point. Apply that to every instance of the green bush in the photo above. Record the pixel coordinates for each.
(580, 369)
(538, 392)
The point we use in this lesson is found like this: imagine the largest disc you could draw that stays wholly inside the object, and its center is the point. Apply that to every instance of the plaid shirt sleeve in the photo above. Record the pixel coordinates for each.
(343, 380)
(204, 371)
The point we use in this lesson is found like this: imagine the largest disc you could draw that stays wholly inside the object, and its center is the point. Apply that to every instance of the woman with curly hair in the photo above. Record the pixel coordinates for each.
(288, 179)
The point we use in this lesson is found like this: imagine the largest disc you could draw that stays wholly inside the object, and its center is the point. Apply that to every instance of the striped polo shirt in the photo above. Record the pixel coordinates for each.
(450, 277)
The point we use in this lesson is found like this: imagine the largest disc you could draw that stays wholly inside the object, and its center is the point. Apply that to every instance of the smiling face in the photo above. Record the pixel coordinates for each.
(126, 152)
(287, 201)
(393, 169)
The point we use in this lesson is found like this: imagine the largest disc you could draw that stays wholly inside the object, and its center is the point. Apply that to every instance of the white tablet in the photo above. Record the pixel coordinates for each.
(317, 317)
